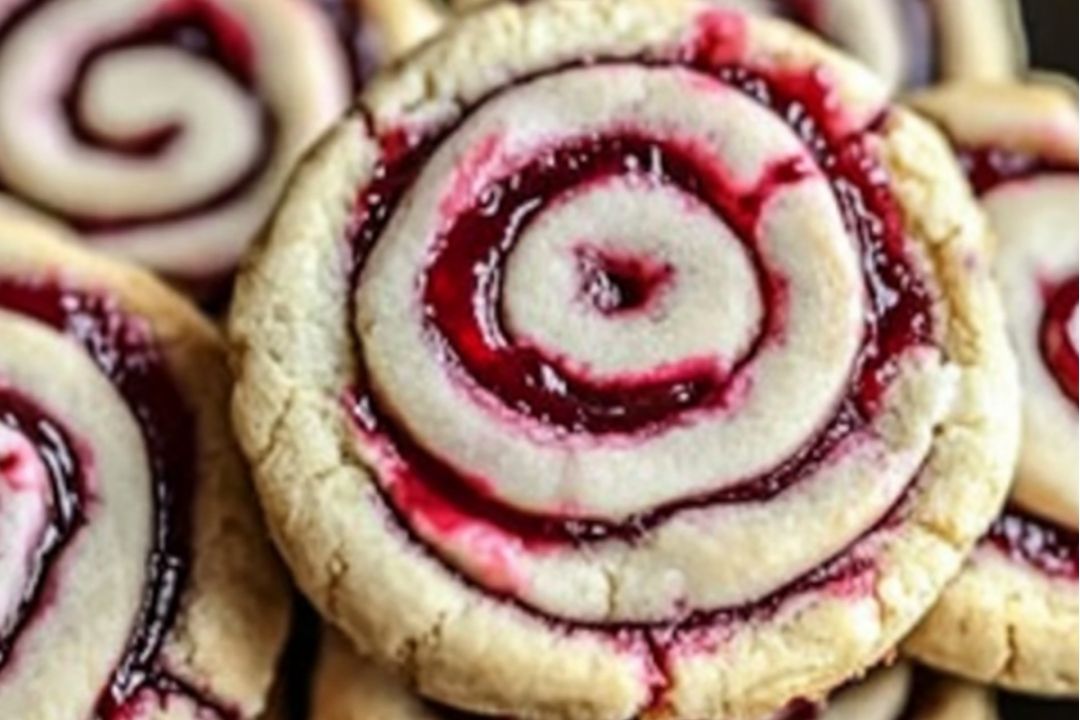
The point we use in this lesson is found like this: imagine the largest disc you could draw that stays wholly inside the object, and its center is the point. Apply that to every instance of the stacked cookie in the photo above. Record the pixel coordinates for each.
(608, 359)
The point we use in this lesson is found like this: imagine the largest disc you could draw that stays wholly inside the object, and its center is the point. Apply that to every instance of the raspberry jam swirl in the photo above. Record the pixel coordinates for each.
(1031, 199)
(599, 341)
(176, 173)
(96, 478)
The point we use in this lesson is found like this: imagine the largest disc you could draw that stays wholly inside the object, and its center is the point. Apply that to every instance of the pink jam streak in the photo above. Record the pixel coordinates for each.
(125, 351)
(461, 294)
(1057, 347)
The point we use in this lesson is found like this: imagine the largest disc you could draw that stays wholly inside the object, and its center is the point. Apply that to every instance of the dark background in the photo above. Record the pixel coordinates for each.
(1052, 34)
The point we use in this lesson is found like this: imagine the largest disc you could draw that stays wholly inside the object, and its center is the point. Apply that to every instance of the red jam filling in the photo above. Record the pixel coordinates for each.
(1056, 345)
(1036, 542)
(800, 710)
(613, 284)
(989, 166)
(461, 291)
(125, 352)
(61, 459)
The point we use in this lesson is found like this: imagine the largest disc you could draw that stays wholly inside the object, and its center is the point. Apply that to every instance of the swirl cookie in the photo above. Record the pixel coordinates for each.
(136, 582)
(162, 130)
(918, 42)
(348, 686)
(1012, 617)
(621, 344)
(906, 42)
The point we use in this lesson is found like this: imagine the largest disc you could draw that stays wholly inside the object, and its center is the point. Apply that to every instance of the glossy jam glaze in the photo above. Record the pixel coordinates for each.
(1057, 346)
(63, 460)
(125, 351)
(460, 304)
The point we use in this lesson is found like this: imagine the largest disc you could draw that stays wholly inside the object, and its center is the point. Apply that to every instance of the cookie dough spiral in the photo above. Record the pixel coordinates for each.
(161, 130)
(114, 474)
(631, 353)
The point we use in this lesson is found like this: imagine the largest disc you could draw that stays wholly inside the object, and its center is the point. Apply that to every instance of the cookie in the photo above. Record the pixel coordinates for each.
(614, 358)
(1012, 617)
(348, 686)
(908, 43)
(162, 130)
(137, 582)
(912, 43)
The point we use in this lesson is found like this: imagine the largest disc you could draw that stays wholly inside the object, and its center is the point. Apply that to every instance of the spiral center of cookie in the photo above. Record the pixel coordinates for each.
(616, 284)
(1058, 335)
(116, 125)
(624, 329)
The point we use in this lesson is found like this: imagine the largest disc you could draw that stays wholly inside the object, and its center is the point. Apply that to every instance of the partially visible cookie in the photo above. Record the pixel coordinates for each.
(1011, 618)
(908, 43)
(911, 43)
(162, 131)
(136, 578)
(349, 686)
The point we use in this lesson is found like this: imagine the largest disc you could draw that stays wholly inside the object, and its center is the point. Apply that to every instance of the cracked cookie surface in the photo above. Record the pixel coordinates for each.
(623, 357)
(349, 686)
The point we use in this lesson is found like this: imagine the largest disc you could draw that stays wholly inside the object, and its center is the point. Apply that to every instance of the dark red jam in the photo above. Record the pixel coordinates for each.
(800, 710)
(988, 166)
(462, 286)
(205, 29)
(1037, 542)
(1056, 345)
(462, 300)
(60, 456)
(615, 284)
(125, 351)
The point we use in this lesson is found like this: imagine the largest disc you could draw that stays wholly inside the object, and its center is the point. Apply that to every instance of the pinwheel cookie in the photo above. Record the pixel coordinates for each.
(612, 359)
(348, 686)
(162, 130)
(907, 42)
(136, 582)
(1012, 617)
(916, 42)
